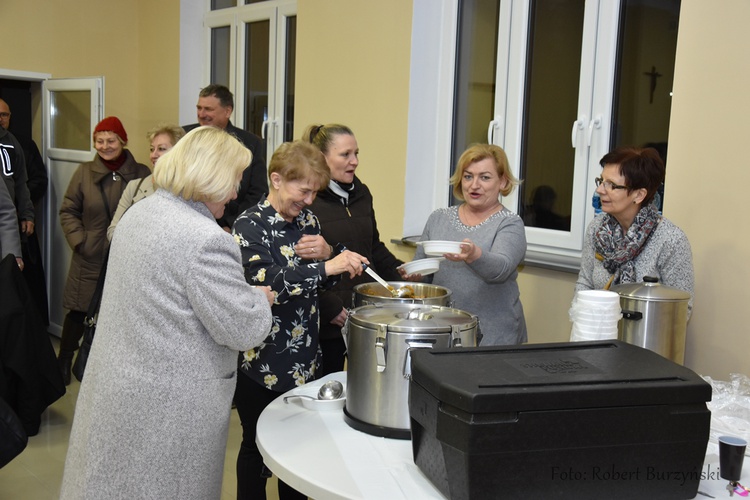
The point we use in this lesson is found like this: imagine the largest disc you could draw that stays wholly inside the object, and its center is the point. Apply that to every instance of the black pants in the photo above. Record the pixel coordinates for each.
(71, 333)
(334, 353)
(251, 399)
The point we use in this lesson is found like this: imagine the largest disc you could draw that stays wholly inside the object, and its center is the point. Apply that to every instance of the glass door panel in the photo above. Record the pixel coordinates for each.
(476, 65)
(552, 84)
(290, 82)
(256, 75)
(644, 75)
(221, 55)
(70, 120)
(223, 4)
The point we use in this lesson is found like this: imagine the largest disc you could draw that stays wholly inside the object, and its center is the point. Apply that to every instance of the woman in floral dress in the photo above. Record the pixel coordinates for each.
(282, 248)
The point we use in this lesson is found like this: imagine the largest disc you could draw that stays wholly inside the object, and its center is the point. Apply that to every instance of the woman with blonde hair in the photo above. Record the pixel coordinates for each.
(162, 138)
(152, 414)
(347, 215)
(483, 276)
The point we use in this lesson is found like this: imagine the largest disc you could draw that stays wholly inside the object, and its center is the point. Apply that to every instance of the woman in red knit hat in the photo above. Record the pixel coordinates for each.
(85, 213)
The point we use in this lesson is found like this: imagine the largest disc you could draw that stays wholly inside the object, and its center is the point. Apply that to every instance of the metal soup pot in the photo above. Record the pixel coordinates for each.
(424, 293)
(380, 339)
(654, 316)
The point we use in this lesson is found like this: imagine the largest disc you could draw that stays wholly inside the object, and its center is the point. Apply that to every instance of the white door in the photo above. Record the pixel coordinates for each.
(252, 50)
(71, 110)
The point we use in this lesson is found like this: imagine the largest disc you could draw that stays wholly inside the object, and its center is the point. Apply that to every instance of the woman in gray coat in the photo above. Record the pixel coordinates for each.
(152, 414)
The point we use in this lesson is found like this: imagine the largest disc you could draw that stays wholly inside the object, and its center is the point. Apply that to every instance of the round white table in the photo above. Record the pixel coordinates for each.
(318, 454)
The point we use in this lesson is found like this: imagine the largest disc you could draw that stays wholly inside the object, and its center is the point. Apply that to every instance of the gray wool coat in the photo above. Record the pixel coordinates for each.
(152, 415)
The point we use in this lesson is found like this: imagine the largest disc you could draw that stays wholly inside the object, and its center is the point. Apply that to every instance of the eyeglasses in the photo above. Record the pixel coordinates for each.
(4, 115)
(609, 186)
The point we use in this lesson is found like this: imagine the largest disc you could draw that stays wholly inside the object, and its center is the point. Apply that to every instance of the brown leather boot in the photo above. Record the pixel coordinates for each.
(65, 360)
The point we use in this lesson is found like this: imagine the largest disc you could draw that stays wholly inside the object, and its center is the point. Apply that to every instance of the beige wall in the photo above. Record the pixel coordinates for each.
(353, 67)
(134, 44)
(708, 176)
(357, 72)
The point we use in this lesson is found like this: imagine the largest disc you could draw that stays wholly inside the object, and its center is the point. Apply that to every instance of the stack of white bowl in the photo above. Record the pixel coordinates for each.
(595, 314)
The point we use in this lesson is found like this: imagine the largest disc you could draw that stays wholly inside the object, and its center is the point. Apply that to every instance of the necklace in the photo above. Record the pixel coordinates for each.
(473, 219)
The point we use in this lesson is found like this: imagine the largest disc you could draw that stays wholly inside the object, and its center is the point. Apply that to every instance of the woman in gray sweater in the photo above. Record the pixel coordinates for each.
(483, 276)
(631, 239)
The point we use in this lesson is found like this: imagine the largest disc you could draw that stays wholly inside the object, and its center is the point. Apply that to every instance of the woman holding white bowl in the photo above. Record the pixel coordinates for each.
(483, 275)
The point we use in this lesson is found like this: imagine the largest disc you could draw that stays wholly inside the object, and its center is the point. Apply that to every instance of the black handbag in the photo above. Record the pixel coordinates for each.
(79, 366)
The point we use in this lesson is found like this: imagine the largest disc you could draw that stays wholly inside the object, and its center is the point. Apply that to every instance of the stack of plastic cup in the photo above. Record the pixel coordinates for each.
(595, 314)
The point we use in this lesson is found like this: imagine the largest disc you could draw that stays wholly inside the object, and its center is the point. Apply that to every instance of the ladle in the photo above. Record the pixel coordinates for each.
(329, 391)
(380, 280)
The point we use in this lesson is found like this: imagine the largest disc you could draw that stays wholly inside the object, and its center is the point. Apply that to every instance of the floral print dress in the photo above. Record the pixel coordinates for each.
(290, 355)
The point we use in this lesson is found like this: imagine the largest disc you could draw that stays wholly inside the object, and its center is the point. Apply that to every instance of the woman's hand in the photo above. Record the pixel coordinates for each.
(270, 297)
(313, 247)
(346, 261)
(469, 252)
(340, 320)
(409, 277)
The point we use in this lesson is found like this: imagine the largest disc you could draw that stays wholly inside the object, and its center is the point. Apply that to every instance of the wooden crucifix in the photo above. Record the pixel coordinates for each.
(653, 75)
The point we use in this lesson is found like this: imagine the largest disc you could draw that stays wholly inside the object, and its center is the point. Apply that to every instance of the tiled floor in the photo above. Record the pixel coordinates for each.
(36, 474)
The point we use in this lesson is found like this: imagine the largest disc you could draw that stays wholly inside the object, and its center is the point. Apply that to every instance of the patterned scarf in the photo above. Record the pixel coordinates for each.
(617, 251)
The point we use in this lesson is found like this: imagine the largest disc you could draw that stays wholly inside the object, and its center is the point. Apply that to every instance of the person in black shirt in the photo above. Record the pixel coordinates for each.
(215, 106)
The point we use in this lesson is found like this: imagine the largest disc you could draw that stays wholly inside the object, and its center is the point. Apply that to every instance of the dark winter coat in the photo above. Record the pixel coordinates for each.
(254, 183)
(353, 225)
(85, 218)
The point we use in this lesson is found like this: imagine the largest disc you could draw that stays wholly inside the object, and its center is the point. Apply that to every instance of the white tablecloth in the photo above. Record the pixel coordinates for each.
(318, 454)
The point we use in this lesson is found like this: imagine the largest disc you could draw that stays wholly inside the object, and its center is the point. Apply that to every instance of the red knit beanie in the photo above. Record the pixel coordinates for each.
(112, 124)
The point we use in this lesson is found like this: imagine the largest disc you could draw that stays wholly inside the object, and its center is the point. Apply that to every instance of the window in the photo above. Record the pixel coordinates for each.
(252, 52)
(570, 80)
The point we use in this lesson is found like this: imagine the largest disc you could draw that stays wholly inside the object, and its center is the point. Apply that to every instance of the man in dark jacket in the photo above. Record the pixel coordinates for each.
(13, 171)
(215, 106)
(36, 182)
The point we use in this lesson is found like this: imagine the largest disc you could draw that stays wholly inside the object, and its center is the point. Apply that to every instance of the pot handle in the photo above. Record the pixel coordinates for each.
(634, 315)
(414, 344)
(380, 347)
(345, 330)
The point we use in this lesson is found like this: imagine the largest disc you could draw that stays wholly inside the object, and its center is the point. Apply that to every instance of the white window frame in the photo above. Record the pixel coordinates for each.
(434, 37)
(235, 18)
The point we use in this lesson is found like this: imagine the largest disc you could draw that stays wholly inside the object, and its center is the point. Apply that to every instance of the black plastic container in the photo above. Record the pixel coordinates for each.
(570, 420)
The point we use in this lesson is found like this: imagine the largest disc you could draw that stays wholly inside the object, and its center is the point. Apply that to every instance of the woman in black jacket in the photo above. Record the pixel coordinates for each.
(346, 217)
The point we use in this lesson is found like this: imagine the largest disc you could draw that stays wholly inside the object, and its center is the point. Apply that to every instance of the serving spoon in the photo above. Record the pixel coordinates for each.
(380, 280)
(329, 391)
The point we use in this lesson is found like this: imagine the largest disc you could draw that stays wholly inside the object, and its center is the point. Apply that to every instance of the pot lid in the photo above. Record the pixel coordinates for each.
(650, 289)
(413, 318)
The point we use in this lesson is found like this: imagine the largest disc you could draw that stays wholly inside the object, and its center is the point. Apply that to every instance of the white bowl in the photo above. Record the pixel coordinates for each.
(596, 324)
(437, 248)
(595, 316)
(597, 296)
(422, 266)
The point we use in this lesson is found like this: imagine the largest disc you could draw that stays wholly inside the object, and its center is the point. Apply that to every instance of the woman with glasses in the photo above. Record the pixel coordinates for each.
(631, 239)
